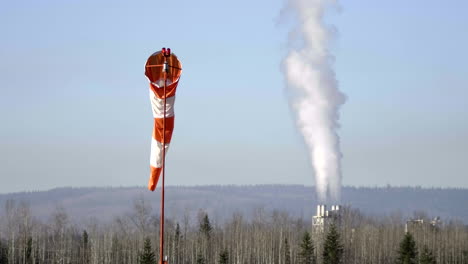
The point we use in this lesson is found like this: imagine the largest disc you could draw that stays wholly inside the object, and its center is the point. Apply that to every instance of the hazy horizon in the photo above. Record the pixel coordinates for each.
(144, 187)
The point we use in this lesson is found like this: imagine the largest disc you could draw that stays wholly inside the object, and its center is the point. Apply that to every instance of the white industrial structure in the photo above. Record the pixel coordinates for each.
(435, 223)
(320, 223)
(325, 217)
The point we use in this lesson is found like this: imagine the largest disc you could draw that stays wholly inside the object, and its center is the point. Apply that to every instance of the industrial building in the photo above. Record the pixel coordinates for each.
(320, 224)
(421, 223)
(325, 217)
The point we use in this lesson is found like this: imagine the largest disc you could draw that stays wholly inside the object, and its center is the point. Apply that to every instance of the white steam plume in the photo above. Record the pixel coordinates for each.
(314, 93)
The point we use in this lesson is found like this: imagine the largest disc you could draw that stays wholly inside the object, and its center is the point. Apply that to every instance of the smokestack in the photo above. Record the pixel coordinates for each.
(323, 210)
(314, 94)
(318, 210)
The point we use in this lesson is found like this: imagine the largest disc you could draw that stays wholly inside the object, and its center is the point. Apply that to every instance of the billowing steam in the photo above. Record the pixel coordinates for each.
(314, 94)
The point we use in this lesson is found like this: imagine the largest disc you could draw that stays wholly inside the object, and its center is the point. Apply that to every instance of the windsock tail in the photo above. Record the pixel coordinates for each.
(154, 178)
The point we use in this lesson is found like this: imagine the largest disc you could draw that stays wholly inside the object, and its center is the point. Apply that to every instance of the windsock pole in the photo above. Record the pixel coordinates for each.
(166, 54)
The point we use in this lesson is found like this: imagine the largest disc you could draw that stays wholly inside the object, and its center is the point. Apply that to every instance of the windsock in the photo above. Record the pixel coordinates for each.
(163, 71)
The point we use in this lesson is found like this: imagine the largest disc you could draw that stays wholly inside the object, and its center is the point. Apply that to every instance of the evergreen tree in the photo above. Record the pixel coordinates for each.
(332, 249)
(28, 251)
(407, 254)
(85, 247)
(3, 253)
(147, 256)
(306, 253)
(177, 244)
(200, 259)
(427, 257)
(224, 257)
(465, 256)
(205, 227)
(85, 238)
(287, 252)
(177, 233)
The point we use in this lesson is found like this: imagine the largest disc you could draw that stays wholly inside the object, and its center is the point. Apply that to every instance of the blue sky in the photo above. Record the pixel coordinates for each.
(75, 108)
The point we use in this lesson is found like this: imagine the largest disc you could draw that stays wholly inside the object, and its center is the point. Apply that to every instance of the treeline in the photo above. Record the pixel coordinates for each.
(222, 201)
(269, 237)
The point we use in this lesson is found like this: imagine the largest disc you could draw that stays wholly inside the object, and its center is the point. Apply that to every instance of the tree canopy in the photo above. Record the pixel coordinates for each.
(147, 256)
(408, 253)
(332, 249)
(427, 257)
(306, 253)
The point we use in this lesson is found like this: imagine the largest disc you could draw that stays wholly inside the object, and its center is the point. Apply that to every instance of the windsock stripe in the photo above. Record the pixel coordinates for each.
(158, 129)
(154, 177)
(156, 153)
(157, 106)
(159, 91)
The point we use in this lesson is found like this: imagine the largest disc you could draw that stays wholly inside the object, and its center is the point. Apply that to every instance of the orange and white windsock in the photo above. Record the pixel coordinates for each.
(162, 69)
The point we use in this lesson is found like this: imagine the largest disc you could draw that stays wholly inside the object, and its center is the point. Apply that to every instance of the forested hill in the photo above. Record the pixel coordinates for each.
(220, 202)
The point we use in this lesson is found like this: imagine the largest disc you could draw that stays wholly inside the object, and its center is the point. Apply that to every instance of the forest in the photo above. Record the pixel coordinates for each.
(268, 237)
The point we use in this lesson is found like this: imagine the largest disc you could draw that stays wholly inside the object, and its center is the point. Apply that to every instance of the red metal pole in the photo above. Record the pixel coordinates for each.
(161, 232)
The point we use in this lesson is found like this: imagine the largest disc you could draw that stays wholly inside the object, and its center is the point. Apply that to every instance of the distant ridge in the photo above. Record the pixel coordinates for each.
(221, 201)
